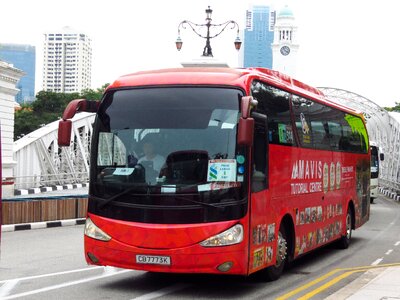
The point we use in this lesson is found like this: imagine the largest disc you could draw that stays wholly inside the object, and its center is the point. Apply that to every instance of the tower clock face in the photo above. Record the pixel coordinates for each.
(285, 50)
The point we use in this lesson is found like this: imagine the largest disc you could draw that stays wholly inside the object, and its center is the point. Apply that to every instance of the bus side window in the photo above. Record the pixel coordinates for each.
(336, 132)
(259, 178)
(274, 103)
(301, 107)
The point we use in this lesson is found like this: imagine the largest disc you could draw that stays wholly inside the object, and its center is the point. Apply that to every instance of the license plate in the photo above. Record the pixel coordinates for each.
(153, 260)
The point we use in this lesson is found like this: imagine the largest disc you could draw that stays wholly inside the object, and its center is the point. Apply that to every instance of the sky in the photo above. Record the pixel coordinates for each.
(348, 44)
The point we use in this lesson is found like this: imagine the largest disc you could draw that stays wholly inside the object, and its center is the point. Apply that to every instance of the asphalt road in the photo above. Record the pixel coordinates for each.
(49, 264)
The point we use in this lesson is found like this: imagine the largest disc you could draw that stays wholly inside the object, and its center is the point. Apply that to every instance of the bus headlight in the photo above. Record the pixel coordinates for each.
(91, 230)
(233, 235)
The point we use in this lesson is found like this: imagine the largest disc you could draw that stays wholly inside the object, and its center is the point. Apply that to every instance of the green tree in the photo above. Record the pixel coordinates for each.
(51, 102)
(48, 107)
(24, 122)
(395, 108)
(90, 94)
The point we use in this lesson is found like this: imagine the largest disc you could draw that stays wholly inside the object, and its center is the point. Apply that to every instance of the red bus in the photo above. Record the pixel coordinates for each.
(218, 170)
(1, 191)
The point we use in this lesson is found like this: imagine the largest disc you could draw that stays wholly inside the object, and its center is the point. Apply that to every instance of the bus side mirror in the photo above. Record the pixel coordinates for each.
(246, 131)
(246, 123)
(382, 156)
(65, 125)
(64, 133)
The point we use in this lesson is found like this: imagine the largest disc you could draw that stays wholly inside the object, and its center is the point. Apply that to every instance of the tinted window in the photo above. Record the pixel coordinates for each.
(274, 103)
(325, 128)
(300, 108)
(355, 137)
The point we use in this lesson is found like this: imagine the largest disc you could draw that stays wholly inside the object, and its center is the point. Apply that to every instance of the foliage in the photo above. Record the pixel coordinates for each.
(96, 94)
(48, 107)
(395, 108)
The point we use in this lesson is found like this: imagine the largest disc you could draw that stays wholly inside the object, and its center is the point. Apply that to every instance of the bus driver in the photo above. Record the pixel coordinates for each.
(151, 156)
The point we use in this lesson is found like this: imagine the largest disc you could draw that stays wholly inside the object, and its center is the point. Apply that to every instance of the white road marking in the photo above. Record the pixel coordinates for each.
(7, 287)
(377, 261)
(162, 292)
(397, 243)
(53, 274)
(66, 284)
(389, 251)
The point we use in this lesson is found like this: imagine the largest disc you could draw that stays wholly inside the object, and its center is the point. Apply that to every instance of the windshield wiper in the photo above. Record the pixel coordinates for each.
(177, 196)
(112, 198)
(104, 202)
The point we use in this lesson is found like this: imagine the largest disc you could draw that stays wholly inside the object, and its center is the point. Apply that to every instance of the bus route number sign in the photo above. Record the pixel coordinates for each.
(153, 260)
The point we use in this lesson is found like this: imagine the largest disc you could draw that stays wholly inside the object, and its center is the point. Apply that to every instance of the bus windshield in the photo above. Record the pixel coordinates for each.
(157, 151)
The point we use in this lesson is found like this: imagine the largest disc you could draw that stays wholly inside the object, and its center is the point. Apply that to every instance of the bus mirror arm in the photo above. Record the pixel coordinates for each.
(246, 123)
(78, 105)
(65, 125)
(246, 104)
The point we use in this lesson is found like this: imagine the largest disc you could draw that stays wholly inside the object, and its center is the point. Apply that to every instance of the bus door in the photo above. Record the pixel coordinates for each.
(272, 130)
(260, 204)
(1, 178)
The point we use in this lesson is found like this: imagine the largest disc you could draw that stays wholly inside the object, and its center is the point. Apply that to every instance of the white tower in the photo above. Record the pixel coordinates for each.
(67, 66)
(285, 47)
(9, 77)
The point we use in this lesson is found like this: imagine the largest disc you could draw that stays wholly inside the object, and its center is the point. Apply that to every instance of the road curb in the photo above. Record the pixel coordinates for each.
(389, 193)
(44, 189)
(38, 225)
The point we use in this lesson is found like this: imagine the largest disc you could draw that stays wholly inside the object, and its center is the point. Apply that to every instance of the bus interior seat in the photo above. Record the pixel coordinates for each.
(186, 166)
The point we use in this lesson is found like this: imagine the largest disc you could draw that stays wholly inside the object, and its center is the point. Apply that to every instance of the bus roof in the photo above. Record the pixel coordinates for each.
(202, 76)
(224, 76)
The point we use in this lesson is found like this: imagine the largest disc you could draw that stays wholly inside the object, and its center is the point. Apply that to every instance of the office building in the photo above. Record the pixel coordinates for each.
(67, 64)
(22, 57)
(258, 37)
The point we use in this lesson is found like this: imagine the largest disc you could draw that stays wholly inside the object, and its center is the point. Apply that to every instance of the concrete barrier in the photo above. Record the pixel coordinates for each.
(42, 210)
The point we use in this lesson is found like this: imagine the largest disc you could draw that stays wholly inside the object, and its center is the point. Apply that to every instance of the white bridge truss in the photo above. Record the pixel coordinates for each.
(383, 129)
(40, 162)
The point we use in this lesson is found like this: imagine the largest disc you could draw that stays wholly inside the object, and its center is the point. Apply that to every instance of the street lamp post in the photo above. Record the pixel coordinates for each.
(207, 49)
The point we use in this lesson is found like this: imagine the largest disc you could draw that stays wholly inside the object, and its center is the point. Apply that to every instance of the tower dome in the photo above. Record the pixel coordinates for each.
(285, 12)
(285, 46)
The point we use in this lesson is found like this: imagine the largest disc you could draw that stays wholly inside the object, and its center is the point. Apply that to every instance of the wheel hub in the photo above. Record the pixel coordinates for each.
(282, 250)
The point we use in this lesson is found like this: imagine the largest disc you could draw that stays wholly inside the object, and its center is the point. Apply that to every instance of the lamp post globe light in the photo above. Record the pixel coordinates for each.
(195, 27)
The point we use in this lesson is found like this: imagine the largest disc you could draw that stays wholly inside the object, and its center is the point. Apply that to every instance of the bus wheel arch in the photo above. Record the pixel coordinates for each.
(344, 241)
(284, 249)
(353, 214)
(288, 224)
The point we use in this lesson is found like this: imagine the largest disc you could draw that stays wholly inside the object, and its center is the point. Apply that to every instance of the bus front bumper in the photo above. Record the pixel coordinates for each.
(192, 259)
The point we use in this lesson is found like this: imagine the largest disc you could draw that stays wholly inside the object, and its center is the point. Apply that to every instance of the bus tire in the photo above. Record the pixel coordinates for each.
(344, 241)
(371, 200)
(274, 272)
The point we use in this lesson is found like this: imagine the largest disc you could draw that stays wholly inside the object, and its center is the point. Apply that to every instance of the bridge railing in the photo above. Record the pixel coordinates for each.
(37, 181)
(393, 186)
(40, 162)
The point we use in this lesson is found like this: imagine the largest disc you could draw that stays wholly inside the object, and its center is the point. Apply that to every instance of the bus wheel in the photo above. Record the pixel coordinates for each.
(274, 272)
(371, 200)
(344, 241)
